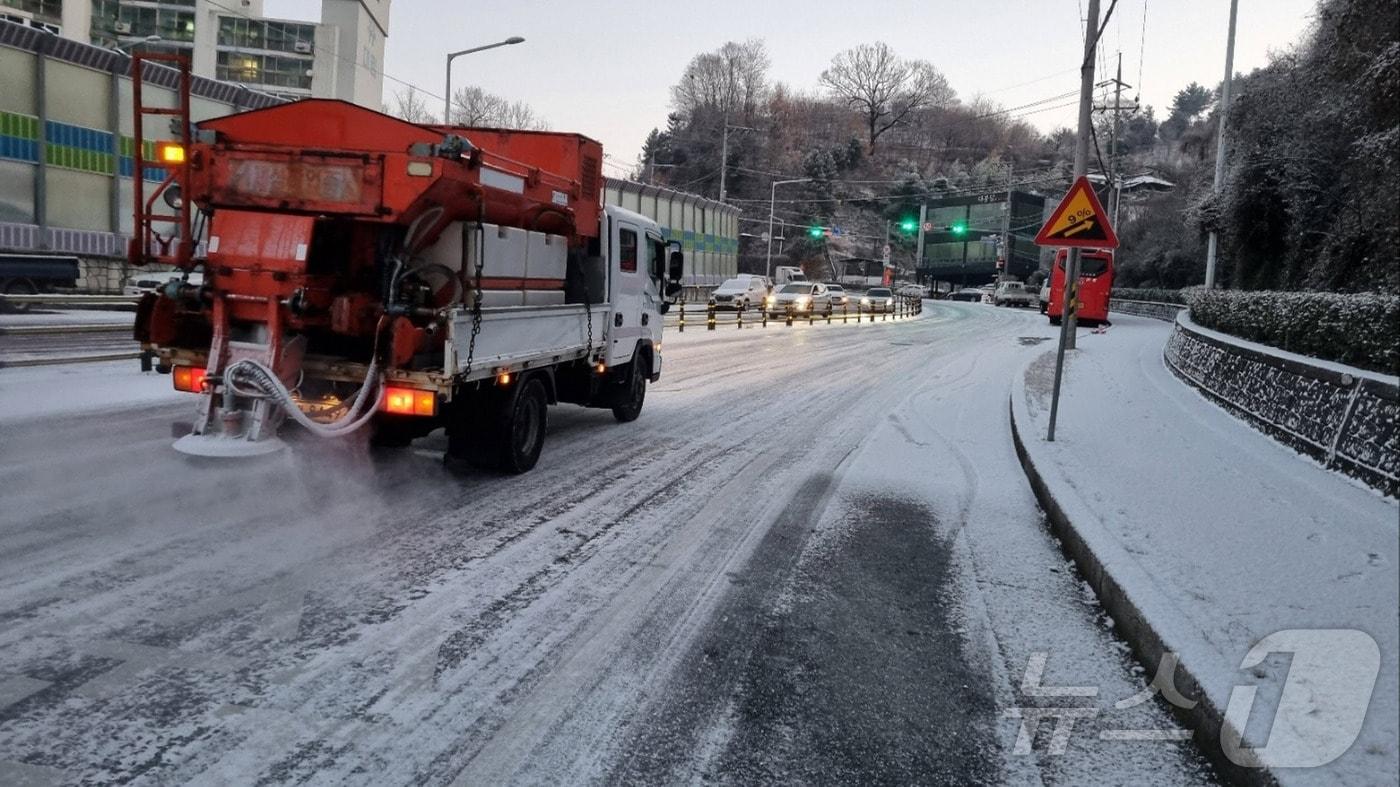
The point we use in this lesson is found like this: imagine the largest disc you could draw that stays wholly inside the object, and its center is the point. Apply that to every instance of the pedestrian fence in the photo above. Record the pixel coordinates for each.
(684, 314)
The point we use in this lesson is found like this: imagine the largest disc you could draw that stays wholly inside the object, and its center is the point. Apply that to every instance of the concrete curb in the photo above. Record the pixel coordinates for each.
(1206, 719)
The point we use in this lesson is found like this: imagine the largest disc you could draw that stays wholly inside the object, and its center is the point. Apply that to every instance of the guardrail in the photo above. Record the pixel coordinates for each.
(61, 330)
(685, 314)
(55, 299)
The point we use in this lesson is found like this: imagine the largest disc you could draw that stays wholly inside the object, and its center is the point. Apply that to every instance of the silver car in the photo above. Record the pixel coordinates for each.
(878, 299)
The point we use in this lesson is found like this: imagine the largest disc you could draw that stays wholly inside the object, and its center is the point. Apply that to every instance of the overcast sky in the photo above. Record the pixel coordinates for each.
(605, 68)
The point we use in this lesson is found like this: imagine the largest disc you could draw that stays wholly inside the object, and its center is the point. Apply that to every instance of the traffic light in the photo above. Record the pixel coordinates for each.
(958, 229)
(908, 224)
(816, 231)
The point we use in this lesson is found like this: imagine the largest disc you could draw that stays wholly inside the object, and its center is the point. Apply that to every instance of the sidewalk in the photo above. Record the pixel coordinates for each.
(1203, 537)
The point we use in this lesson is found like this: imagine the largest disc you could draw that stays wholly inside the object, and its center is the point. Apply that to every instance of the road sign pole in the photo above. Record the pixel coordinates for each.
(1081, 167)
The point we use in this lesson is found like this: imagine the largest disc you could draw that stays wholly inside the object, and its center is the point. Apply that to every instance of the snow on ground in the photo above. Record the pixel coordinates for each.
(37, 392)
(1219, 535)
(813, 558)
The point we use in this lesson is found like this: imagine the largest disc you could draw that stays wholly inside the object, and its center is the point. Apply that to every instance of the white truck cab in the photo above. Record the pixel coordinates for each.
(784, 274)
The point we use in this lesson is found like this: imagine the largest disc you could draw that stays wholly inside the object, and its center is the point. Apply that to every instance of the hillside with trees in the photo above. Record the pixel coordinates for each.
(1308, 201)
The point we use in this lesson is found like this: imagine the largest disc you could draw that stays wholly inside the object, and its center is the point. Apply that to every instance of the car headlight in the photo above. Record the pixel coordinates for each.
(865, 301)
(801, 302)
(770, 300)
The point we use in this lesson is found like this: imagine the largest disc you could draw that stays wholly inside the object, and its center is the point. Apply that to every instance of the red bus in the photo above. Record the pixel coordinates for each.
(1095, 285)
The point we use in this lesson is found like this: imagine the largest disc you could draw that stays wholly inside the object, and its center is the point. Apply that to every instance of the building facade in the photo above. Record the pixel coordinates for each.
(708, 231)
(340, 56)
(962, 244)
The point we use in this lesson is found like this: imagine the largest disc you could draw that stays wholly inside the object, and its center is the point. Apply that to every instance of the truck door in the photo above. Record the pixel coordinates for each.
(627, 292)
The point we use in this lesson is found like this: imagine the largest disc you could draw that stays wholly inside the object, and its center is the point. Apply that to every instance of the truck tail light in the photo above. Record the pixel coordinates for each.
(408, 401)
(170, 153)
(188, 378)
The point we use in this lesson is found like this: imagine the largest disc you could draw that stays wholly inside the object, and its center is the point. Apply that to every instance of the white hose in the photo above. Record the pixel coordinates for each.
(266, 383)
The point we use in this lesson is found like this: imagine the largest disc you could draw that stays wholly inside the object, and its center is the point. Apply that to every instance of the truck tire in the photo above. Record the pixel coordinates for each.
(19, 287)
(504, 429)
(633, 396)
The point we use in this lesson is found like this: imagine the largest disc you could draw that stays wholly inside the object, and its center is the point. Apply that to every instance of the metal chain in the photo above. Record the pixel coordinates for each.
(588, 311)
(476, 300)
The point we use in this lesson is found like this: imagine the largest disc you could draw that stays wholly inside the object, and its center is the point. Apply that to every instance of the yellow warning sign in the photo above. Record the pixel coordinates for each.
(1080, 220)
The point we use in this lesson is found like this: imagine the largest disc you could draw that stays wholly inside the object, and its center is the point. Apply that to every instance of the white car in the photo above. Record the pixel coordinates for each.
(913, 291)
(988, 291)
(878, 299)
(1013, 293)
(740, 293)
(150, 282)
(838, 296)
(802, 297)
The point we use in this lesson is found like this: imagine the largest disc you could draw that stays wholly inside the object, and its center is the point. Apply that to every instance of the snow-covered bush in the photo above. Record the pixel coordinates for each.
(1154, 294)
(1357, 329)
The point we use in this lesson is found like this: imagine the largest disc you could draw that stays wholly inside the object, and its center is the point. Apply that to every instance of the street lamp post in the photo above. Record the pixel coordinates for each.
(772, 206)
(447, 102)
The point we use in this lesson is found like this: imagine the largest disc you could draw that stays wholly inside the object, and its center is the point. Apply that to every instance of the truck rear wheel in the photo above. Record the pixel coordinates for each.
(504, 429)
(629, 404)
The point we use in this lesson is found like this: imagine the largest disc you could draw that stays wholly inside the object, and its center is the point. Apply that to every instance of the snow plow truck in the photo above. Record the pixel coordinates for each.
(365, 273)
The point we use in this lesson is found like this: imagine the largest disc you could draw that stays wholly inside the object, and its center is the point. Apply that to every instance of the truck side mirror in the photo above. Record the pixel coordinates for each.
(676, 267)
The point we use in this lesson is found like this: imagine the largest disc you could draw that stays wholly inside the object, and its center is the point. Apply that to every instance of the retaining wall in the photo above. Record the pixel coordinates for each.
(1346, 418)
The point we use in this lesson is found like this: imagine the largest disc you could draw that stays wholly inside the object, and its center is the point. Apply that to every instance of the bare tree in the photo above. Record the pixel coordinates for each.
(472, 106)
(883, 87)
(733, 79)
(410, 106)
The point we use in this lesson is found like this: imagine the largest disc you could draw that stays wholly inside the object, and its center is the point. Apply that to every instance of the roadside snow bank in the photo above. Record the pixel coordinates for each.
(1204, 538)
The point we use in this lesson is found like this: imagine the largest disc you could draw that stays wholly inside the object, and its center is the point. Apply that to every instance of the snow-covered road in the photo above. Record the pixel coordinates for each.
(814, 558)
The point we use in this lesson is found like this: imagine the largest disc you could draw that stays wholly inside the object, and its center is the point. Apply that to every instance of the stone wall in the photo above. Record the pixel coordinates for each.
(1348, 419)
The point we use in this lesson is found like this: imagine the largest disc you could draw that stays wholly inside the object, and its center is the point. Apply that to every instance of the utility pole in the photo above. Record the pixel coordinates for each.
(1115, 193)
(1006, 227)
(919, 250)
(1081, 166)
(1220, 137)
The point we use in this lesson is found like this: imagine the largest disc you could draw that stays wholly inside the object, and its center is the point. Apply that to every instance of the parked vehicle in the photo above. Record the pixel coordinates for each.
(1095, 287)
(878, 299)
(988, 291)
(784, 274)
(151, 282)
(31, 274)
(471, 286)
(1044, 296)
(1013, 293)
(838, 296)
(914, 291)
(740, 293)
(967, 294)
(800, 297)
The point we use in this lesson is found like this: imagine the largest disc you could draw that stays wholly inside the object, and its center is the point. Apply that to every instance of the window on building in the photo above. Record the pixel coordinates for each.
(267, 35)
(257, 69)
(46, 10)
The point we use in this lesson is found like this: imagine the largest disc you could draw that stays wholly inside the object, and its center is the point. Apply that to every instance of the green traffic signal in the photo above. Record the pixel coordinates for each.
(908, 225)
(959, 229)
(815, 232)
